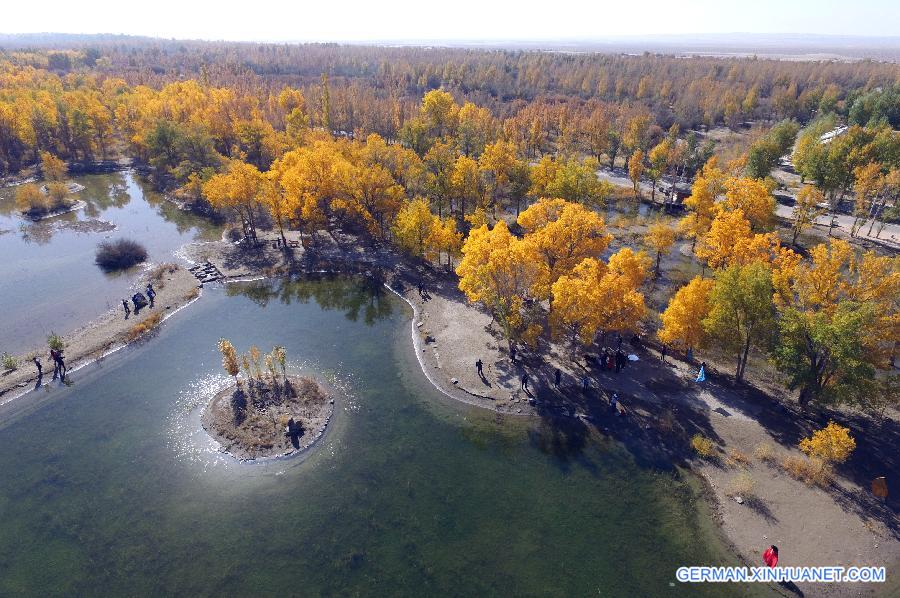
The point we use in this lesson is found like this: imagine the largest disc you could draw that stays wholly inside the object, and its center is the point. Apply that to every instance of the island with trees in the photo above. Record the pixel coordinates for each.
(267, 412)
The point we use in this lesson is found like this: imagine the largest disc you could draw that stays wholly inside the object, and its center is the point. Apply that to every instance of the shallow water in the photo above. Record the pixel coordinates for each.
(48, 279)
(109, 487)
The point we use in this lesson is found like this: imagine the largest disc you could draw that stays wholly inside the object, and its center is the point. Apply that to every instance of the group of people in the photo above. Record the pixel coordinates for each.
(609, 359)
(137, 299)
(59, 365)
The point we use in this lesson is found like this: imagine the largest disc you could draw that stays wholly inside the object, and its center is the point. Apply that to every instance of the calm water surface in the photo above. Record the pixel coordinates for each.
(108, 486)
(48, 279)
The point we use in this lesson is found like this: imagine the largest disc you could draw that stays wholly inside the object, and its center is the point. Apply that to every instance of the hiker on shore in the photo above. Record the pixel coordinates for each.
(62, 365)
(663, 352)
(479, 367)
(40, 368)
(512, 353)
(54, 356)
(613, 402)
(151, 294)
(701, 375)
(557, 377)
(525, 382)
(127, 309)
(585, 382)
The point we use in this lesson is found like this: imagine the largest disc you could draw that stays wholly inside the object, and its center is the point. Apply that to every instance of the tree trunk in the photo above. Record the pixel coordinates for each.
(742, 360)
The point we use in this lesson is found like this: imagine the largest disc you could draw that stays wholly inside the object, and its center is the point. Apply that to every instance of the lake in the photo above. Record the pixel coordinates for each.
(49, 279)
(110, 486)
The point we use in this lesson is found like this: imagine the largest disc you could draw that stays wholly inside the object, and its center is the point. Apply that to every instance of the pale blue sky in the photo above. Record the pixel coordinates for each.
(353, 20)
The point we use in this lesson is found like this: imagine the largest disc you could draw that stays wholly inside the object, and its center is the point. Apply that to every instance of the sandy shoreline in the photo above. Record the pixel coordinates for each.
(101, 336)
(812, 526)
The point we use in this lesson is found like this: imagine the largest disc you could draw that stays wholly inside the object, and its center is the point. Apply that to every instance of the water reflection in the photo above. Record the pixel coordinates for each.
(50, 280)
(358, 296)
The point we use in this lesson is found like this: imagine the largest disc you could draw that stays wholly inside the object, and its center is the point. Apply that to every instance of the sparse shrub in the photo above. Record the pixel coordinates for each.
(144, 326)
(120, 254)
(9, 362)
(765, 452)
(832, 444)
(741, 485)
(812, 471)
(157, 274)
(703, 446)
(55, 342)
(192, 294)
(738, 458)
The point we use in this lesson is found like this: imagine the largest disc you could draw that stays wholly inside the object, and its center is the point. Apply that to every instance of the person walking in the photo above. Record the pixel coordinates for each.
(619, 343)
(127, 309)
(512, 353)
(663, 352)
(525, 382)
(55, 357)
(151, 294)
(557, 377)
(479, 367)
(701, 375)
(62, 365)
(584, 383)
(40, 368)
(613, 402)
(770, 556)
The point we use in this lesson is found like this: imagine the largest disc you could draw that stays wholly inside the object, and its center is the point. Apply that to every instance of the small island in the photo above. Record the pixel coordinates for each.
(266, 413)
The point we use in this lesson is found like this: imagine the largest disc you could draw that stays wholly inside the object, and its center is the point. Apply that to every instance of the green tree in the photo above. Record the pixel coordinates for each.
(822, 352)
(742, 313)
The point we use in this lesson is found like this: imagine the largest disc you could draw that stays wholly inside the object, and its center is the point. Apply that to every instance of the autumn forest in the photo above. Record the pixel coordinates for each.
(487, 161)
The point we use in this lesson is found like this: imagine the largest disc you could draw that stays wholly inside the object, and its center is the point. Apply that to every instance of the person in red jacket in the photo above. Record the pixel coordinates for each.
(770, 556)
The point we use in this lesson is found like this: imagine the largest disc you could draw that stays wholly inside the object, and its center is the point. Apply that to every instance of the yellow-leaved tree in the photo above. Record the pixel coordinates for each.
(682, 320)
(52, 167)
(563, 233)
(752, 197)
(237, 190)
(731, 241)
(501, 272)
(413, 227)
(660, 237)
(599, 297)
(806, 210)
(701, 204)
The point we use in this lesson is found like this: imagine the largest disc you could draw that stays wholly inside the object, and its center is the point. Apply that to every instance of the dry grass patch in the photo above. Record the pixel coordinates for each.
(738, 458)
(811, 471)
(192, 294)
(765, 452)
(741, 485)
(144, 326)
